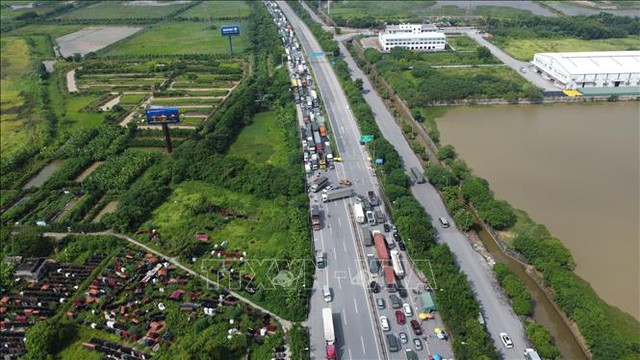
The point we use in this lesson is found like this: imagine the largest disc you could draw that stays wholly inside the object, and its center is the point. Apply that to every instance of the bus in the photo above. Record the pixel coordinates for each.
(417, 175)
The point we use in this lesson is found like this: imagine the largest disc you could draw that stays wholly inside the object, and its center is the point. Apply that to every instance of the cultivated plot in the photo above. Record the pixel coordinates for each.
(218, 10)
(126, 10)
(92, 39)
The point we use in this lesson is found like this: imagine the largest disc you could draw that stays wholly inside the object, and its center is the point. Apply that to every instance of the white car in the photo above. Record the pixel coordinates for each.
(407, 309)
(403, 337)
(506, 340)
(384, 323)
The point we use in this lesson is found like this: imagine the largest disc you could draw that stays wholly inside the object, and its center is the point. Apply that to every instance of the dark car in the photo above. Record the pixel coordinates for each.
(386, 227)
(374, 287)
(372, 198)
(402, 292)
(415, 325)
(402, 246)
(396, 236)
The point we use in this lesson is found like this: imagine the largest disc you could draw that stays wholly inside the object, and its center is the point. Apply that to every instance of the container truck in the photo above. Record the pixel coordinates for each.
(329, 335)
(319, 183)
(397, 264)
(381, 247)
(315, 217)
(323, 130)
(390, 279)
(358, 213)
(337, 194)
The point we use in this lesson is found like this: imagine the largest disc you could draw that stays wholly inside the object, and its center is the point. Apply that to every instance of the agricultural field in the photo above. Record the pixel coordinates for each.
(257, 142)
(524, 49)
(125, 10)
(461, 43)
(183, 37)
(51, 29)
(18, 123)
(217, 10)
(92, 39)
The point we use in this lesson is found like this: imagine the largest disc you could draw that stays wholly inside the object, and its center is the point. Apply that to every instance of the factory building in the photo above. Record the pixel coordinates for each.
(601, 69)
(421, 37)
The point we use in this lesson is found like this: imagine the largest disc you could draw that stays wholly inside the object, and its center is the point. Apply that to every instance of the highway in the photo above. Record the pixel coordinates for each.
(498, 313)
(356, 319)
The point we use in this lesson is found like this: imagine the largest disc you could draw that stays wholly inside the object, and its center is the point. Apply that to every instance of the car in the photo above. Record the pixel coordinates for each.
(415, 326)
(393, 343)
(403, 338)
(407, 309)
(380, 303)
(418, 344)
(402, 246)
(386, 227)
(373, 286)
(359, 198)
(396, 236)
(402, 292)
(444, 222)
(384, 323)
(394, 228)
(506, 340)
(345, 182)
(395, 301)
(400, 317)
(372, 198)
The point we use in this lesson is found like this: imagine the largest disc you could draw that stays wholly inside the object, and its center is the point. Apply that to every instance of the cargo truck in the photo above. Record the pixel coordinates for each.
(337, 194)
(319, 183)
(390, 279)
(358, 213)
(315, 217)
(381, 247)
(323, 130)
(397, 265)
(329, 335)
(531, 354)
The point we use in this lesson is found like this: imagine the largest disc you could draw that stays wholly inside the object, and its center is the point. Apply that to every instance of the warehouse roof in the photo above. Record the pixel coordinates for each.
(596, 62)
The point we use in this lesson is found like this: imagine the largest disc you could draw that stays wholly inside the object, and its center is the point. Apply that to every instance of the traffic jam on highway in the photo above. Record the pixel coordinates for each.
(397, 293)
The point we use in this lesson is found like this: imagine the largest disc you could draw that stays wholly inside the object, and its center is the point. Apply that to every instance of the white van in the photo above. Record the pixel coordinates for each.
(326, 292)
(444, 222)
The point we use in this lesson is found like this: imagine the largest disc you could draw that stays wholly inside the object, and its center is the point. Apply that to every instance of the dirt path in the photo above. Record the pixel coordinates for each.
(71, 81)
(129, 117)
(108, 106)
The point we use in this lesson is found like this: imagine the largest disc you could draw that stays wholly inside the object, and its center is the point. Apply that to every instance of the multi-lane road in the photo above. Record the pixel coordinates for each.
(355, 316)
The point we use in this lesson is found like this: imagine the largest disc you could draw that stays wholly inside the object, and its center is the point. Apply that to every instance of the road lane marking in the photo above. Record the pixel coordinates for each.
(355, 305)
(364, 350)
(350, 357)
(344, 246)
(335, 254)
(339, 222)
(344, 317)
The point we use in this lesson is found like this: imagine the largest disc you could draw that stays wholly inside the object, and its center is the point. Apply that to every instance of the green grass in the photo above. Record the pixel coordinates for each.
(76, 351)
(499, 11)
(186, 101)
(179, 38)
(54, 30)
(462, 43)
(218, 10)
(524, 49)
(76, 118)
(17, 126)
(40, 8)
(117, 10)
(261, 142)
(380, 9)
(131, 98)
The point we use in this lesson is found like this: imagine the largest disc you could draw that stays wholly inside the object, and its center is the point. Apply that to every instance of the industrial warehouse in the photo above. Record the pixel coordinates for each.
(422, 37)
(585, 70)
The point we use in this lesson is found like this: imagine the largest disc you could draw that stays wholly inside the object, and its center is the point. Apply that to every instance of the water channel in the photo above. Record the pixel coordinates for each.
(574, 168)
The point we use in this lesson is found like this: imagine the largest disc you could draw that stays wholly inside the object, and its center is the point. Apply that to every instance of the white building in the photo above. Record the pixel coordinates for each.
(421, 37)
(591, 69)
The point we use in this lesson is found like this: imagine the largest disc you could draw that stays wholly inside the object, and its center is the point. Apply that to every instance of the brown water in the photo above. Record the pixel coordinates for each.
(574, 168)
(43, 175)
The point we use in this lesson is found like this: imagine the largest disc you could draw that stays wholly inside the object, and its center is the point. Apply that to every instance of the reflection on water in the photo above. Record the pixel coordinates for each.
(574, 168)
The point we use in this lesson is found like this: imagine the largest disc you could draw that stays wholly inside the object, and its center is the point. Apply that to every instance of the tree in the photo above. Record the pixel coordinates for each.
(483, 53)
(30, 243)
(47, 338)
(447, 152)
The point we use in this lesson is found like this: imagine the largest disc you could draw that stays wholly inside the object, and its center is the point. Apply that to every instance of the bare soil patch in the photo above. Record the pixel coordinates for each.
(92, 39)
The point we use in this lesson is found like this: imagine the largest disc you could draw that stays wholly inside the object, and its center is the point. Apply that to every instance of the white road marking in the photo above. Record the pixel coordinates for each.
(344, 246)
(339, 222)
(344, 317)
(350, 357)
(355, 305)
(364, 350)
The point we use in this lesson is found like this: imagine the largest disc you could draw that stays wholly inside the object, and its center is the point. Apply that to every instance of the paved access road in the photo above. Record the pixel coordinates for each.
(497, 310)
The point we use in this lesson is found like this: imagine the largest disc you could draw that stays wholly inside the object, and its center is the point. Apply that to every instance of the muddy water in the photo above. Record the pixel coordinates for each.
(574, 168)
(43, 175)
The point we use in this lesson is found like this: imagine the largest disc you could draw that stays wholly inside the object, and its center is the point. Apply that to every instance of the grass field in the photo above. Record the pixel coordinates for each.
(118, 10)
(179, 38)
(76, 351)
(380, 9)
(218, 10)
(261, 142)
(462, 43)
(53, 30)
(523, 49)
(76, 118)
(15, 66)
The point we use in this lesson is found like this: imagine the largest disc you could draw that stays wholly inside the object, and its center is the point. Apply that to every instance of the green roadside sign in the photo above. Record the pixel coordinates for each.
(366, 138)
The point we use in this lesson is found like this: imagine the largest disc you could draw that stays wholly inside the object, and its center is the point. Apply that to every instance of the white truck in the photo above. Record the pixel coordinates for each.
(337, 194)
(397, 264)
(358, 212)
(329, 335)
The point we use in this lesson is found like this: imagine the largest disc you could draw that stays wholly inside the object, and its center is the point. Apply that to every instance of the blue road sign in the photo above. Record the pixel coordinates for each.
(379, 161)
(168, 115)
(316, 53)
(228, 30)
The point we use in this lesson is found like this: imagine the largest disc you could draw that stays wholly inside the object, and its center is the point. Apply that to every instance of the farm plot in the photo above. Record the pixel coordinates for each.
(217, 10)
(125, 10)
(93, 39)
